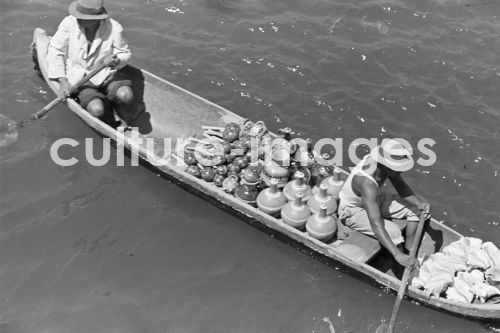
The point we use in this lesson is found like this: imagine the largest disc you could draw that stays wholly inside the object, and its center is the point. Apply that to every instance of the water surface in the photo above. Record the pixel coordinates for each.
(118, 249)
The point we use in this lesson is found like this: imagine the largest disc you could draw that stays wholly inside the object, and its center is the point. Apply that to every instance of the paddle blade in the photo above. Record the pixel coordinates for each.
(8, 131)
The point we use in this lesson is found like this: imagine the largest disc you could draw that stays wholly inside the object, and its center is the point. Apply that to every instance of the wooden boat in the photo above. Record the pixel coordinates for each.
(164, 110)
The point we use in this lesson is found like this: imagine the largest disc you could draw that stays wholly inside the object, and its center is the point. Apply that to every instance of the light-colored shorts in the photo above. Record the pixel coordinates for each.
(391, 206)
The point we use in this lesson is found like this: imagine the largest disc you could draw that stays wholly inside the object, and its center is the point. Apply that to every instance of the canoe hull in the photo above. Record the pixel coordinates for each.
(163, 101)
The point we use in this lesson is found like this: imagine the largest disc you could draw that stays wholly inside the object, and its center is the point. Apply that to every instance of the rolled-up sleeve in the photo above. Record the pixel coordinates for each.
(57, 52)
(120, 46)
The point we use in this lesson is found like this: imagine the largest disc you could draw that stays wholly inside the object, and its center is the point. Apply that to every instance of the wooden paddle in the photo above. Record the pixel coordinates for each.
(384, 327)
(57, 100)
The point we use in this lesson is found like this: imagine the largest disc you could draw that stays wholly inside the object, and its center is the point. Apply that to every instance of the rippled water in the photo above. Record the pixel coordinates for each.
(117, 249)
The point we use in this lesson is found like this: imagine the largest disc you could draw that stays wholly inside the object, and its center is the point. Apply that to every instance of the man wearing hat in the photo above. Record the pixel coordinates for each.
(363, 205)
(85, 39)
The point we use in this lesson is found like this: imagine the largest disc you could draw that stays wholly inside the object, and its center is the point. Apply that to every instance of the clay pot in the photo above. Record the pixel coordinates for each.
(271, 200)
(304, 170)
(246, 141)
(281, 155)
(251, 174)
(230, 157)
(305, 156)
(285, 133)
(231, 132)
(274, 171)
(334, 183)
(241, 162)
(322, 198)
(296, 213)
(194, 170)
(320, 172)
(297, 185)
(207, 174)
(221, 170)
(233, 126)
(234, 174)
(208, 160)
(189, 159)
(225, 147)
(252, 156)
(230, 183)
(233, 168)
(239, 147)
(218, 180)
(253, 129)
(321, 226)
(247, 193)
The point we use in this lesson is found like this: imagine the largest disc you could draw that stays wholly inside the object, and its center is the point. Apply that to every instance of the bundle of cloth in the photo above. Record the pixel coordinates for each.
(467, 271)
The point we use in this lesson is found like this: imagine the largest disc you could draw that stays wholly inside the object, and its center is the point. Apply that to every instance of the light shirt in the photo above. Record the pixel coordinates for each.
(69, 55)
(347, 196)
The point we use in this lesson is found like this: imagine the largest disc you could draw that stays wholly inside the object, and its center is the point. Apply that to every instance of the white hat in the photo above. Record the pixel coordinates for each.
(88, 9)
(394, 154)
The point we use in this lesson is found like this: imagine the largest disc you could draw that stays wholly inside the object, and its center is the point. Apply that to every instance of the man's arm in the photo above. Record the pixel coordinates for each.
(120, 47)
(56, 53)
(407, 193)
(369, 193)
(56, 58)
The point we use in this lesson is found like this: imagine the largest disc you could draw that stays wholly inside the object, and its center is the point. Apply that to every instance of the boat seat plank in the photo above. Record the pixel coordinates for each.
(360, 247)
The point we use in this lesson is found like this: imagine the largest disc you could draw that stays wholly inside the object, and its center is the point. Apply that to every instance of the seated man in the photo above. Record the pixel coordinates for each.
(85, 39)
(363, 206)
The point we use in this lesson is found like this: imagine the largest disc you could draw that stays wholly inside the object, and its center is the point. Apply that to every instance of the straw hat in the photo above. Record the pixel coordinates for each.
(393, 154)
(88, 9)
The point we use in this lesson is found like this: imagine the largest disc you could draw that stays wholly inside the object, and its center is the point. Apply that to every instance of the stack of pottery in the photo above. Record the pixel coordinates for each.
(322, 198)
(298, 185)
(295, 213)
(271, 200)
(321, 225)
(334, 183)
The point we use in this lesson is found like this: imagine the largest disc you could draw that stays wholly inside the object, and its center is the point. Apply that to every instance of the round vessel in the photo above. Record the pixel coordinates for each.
(334, 183)
(297, 185)
(321, 226)
(322, 198)
(271, 200)
(194, 170)
(230, 183)
(247, 193)
(274, 171)
(218, 180)
(207, 174)
(251, 174)
(295, 213)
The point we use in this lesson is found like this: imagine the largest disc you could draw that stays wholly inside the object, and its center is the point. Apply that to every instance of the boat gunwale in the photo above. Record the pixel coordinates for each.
(483, 311)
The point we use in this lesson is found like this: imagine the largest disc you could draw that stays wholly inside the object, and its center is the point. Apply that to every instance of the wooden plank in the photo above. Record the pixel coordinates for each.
(357, 246)
(360, 247)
